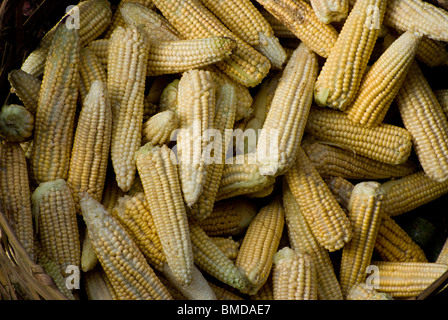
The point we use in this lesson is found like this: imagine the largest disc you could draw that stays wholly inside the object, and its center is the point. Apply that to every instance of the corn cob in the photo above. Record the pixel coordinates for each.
(419, 17)
(54, 121)
(341, 189)
(159, 128)
(365, 215)
(127, 47)
(382, 81)
(111, 192)
(362, 291)
(90, 151)
(442, 256)
(96, 287)
(294, 276)
(56, 224)
(260, 243)
(16, 123)
(266, 292)
(385, 143)
(405, 279)
(168, 98)
(280, 30)
(227, 245)
(442, 98)
(326, 218)
(394, 244)
(423, 117)
(26, 87)
(15, 194)
(125, 266)
(94, 17)
(193, 21)
(89, 260)
(410, 192)
(288, 113)
(333, 161)
(90, 69)
(243, 19)
(223, 293)
(163, 193)
(432, 53)
(342, 72)
(301, 19)
(302, 240)
(100, 48)
(210, 259)
(329, 11)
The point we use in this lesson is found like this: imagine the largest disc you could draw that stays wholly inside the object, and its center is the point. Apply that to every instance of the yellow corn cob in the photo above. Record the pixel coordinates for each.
(442, 257)
(382, 81)
(266, 292)
(410, 192)
(227, 245)
(432, 53)
(365, 215)
(54, 121)
(193, 21)
(442, 98)
(362, 291)
(168, 98)
(394, 244)
(243, 19)
(260, 243)
(326, 218)
(280, 30)
(129, 273)
(302, 239)
(158, 129)
(301, 19)
(56, 224)
(111, 192)
(89, 260)
(196, 110)
(341, 74)
(287, 116)
(94, 17)
(163, 194)
(210, 259)
(329, 11)
(341, 189)
(224, 119)
(96, 287)
(100, 48)
(294, 275)
(405, 279)
(90, 69)
(223, 293)
(26, 87)
(90, 151)
(333, 161)
(423, 117)
(128, 47)
(229, 217)
(15, 193)
(419, 17)
(385, 143)
(16, 123)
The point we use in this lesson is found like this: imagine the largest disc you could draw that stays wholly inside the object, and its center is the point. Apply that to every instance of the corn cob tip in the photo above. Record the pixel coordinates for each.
(321, 96)
(16, 123)
(366, 188)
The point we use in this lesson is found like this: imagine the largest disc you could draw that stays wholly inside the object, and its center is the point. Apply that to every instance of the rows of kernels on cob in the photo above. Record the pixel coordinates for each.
(190, 149)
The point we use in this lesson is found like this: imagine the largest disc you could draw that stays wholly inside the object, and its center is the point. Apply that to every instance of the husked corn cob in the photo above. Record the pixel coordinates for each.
(385, 143)
(90, 69)
(125, 266)
(163, 194)
(16, 123)
(362, 291)
(405, 279)
(301, 19)
(432, 53)
(193, 21)
(56, 224)
(410, 192)
(329, 11)
(243, 19)
(365, 215)
(128, 47)
(89, 260)
(96, 287)
(210, 259)
(302, 240)
(442, 257)
(382, 81)
(419, 17)
(326, 218)
(100, 47)
(287, 116)
(342, 72)
(394, 244)
(423, 117)
(111, 192)
(168, 98)
(94, 17)
(260, 243)
(159, 128)
(333, 161)
(229, 217)
(341, 189)
(228, 246)
(15, 193)
(279, 28)
(54, 120)
(294, 275)
(26, 87)
(442, 98)
(90, 151)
